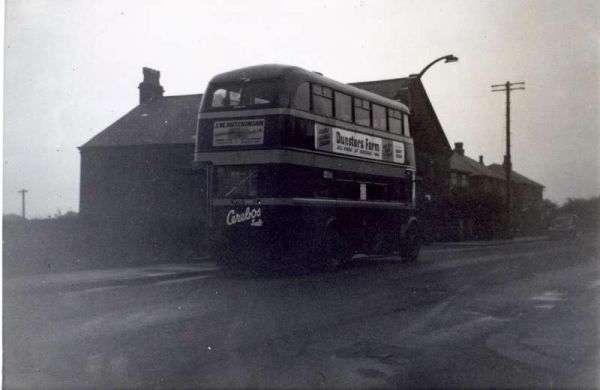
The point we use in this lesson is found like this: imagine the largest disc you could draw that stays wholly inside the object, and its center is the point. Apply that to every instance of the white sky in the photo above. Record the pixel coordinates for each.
(72, 67)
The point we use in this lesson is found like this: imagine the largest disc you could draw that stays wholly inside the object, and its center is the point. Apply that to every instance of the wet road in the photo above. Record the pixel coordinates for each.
(517, 315)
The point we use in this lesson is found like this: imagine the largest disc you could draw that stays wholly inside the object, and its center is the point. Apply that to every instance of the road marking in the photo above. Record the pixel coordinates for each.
(550, 296)
(182, 280)
(544, 307)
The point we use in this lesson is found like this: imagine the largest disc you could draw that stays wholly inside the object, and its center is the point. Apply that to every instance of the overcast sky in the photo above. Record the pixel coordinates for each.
(72, 67)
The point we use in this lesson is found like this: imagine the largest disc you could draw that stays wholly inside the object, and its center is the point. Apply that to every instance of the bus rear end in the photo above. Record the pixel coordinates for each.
(276, 194)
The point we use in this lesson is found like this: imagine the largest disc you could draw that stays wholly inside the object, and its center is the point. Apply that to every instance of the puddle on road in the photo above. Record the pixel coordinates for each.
(548, 296)
(191, 278)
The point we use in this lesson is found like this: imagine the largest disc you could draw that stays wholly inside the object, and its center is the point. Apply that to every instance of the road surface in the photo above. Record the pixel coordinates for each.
(516, 315)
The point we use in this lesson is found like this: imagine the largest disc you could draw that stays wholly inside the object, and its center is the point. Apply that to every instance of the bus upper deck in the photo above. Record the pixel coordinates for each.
(270, 106)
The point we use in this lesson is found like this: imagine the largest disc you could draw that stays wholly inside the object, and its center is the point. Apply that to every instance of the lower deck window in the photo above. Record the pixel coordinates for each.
(314, 183)
(289, 181)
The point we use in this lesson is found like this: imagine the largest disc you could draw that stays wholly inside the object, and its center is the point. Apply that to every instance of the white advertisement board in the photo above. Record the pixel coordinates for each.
(238, 132)
(394, 151)
(332, 139)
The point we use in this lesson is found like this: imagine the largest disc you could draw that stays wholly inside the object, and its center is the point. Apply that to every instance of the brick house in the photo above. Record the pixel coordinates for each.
(136, 174)
(479, 197)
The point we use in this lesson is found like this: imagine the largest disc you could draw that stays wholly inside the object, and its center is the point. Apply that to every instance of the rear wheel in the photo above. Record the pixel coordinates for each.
(411, 244)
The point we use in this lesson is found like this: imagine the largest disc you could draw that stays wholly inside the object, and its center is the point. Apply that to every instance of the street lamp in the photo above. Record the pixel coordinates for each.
(448, 58)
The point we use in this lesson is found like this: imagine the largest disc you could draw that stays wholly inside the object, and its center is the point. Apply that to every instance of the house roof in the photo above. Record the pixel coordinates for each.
(164, 120)
(462, 163)
(515, 177)
(391, 89)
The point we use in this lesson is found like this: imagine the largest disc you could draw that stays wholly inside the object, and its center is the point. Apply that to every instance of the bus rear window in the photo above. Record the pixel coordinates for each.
(242, 95)
(236, 182)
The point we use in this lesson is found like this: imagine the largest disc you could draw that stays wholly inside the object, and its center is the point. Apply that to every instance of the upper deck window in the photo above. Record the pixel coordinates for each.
(362, 112)
(406, 128)
(322, 100)
(302, 97)
(343, 106)
(242, 95)
(395, 121)
(379, 117)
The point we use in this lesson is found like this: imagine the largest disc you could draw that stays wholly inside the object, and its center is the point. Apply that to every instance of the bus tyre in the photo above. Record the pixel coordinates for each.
(334, 250)
(411, 244)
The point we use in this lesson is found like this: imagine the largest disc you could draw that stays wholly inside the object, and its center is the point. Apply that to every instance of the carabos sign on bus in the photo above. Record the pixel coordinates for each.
(248, 215)
(332, 139)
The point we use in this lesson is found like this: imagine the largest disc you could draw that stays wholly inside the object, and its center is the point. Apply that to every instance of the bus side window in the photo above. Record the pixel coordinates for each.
(395, 121)
(379, 117)
(405, 121)
(322, 100)
(362, 112)
(378, 191)
(343, 106)
(302, 97)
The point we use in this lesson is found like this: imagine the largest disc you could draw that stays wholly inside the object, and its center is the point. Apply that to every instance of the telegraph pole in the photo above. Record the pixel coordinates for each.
(23, 192)
(507, 87)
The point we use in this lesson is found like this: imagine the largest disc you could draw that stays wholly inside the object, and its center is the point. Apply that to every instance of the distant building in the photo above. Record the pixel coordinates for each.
(136, 174)
(474, 176)
(478, 201)
(527, 197)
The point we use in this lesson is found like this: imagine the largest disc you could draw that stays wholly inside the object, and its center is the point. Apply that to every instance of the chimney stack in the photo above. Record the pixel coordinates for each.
(150, 88)
(481, 160)
(505, 163)
(458, 148)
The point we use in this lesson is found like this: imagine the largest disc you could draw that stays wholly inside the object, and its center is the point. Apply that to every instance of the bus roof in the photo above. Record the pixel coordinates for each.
(294, 74)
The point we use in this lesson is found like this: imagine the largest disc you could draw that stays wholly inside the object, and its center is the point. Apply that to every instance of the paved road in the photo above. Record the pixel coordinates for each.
(518, 315)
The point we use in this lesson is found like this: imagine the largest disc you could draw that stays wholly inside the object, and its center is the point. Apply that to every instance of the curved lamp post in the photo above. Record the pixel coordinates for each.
(448, 58)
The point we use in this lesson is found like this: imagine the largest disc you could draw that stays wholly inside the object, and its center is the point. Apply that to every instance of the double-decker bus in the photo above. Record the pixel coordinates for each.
(301, 167)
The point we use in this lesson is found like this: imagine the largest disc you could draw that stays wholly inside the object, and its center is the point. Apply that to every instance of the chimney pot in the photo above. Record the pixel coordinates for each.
(458, 148)
(481, 160)
(150, 87)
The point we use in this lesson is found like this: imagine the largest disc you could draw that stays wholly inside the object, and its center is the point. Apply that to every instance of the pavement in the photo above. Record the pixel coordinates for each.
(198, 267)
(98, 278)
(481, 243)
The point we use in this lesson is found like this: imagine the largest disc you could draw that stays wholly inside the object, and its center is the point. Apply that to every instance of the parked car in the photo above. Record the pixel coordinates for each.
(564, 226)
